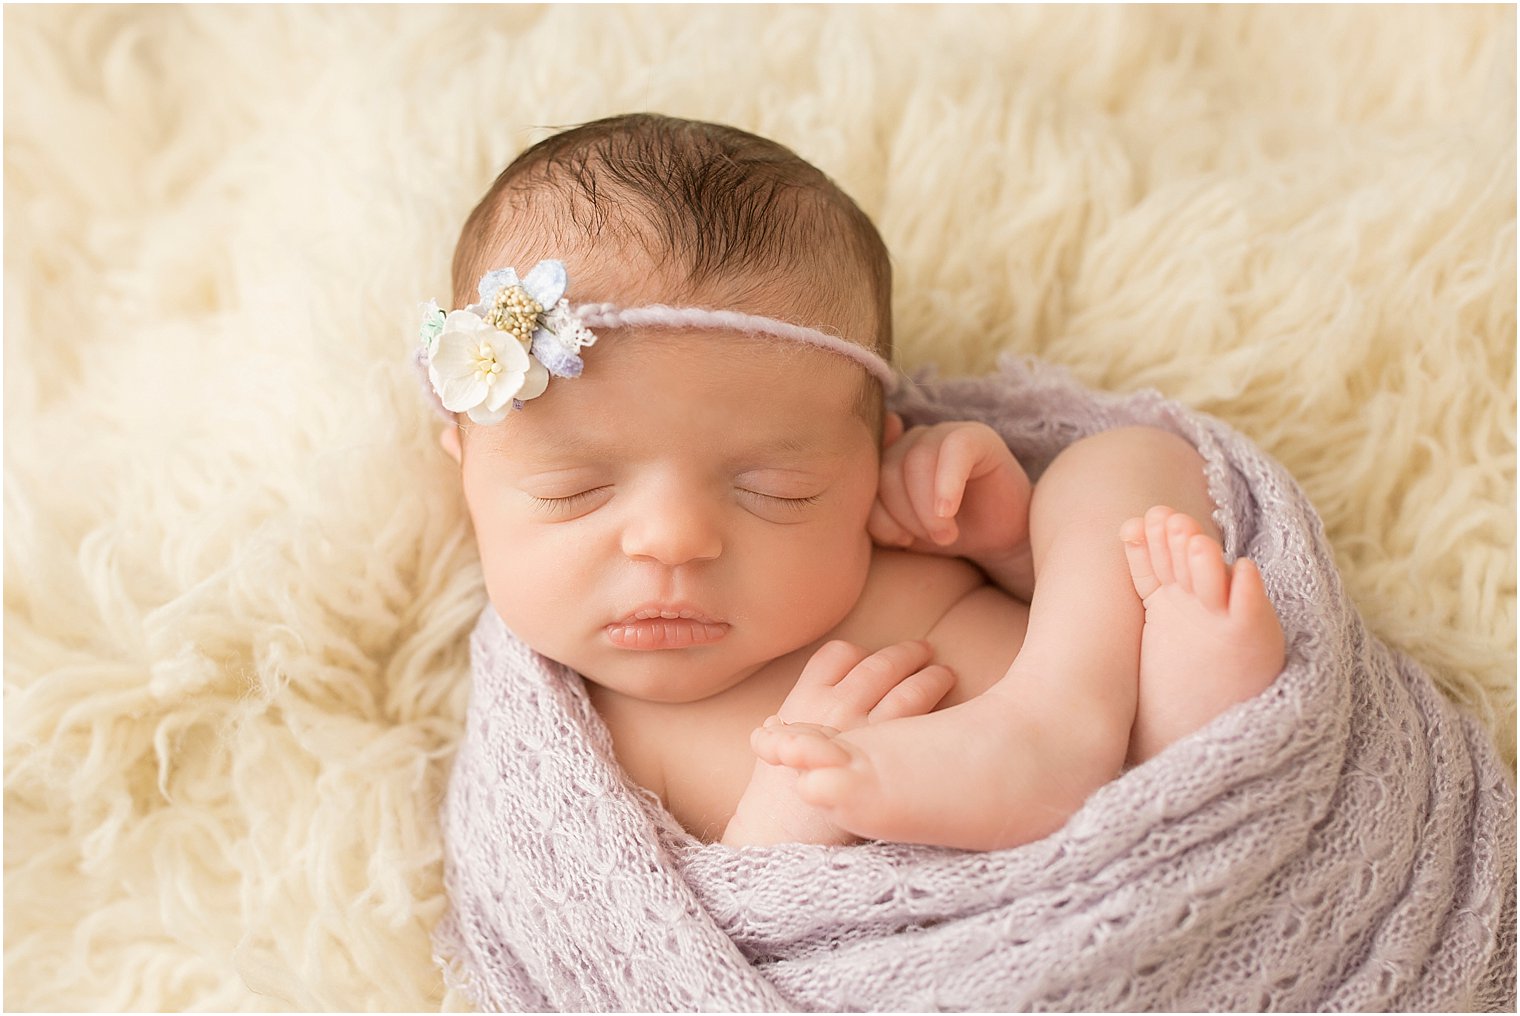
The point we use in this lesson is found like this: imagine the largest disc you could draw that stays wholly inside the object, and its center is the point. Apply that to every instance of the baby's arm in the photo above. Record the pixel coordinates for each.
(843, 687)
(954, 488)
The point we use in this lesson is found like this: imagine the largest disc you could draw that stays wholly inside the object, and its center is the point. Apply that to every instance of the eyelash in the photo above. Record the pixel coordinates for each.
(795, 503)
(559, 503)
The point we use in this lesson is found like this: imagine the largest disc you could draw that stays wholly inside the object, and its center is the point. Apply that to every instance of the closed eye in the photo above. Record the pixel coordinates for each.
(568, 503)
(795, 503)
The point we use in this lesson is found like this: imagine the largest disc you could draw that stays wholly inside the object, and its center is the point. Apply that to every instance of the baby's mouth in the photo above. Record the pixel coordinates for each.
(665, 628)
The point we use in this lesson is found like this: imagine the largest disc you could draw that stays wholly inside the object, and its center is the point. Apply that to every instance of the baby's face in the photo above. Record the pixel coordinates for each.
(689, 509)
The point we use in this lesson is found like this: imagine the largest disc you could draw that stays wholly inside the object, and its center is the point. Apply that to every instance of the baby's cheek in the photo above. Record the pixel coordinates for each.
(832, 576)
(520, 578)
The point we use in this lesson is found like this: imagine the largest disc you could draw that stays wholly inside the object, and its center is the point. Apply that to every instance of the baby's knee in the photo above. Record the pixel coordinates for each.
(1153, 447)
(1127, 470)
(1161, 446)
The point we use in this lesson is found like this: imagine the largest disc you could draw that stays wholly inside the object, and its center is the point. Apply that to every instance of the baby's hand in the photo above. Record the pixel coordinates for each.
(953, 489)
(842, 687)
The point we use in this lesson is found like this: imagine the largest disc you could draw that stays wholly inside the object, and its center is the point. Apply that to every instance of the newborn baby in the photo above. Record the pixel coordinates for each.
(800, 621)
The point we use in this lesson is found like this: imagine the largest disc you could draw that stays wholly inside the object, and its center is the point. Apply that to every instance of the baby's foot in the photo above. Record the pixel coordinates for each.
(842, 688)
(1211, 637)
(985, 774)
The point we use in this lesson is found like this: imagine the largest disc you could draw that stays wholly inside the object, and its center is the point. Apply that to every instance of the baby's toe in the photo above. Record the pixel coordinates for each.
(834, 786)
(1209, 574)
(1248, 594)
(1156, 542)
(1180, 529)
(1137, 553)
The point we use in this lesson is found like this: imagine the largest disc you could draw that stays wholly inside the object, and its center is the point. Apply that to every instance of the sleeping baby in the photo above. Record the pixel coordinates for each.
(799, 620)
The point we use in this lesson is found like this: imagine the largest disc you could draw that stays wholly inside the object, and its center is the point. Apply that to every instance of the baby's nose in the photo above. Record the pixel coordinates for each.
(673, 530)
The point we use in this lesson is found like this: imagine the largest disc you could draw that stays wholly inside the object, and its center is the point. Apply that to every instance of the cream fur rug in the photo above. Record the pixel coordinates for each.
(238, 581)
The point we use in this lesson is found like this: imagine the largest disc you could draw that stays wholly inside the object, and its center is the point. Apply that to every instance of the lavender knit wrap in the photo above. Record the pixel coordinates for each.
(1345, 840)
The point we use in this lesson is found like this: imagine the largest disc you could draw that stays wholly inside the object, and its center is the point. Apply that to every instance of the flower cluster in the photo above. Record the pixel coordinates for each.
(500, 352)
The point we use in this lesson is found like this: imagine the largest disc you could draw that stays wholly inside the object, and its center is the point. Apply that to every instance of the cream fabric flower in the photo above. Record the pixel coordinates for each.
(479, 370)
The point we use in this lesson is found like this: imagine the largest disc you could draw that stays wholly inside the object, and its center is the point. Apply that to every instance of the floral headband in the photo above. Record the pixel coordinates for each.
(499, 353)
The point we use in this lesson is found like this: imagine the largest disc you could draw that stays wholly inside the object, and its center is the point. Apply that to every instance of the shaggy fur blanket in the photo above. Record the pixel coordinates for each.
(239, 577)
(1345, 841)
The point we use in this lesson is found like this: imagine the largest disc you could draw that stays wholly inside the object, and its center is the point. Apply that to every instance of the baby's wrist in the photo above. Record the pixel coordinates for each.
(770, 812)
(1005, 557)
(748, 827)
(1011, 570)
(754, 823)
(739, 833)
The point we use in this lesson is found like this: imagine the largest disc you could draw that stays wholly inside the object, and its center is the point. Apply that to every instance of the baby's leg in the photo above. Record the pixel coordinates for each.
(1013, 764)
(1211, 637)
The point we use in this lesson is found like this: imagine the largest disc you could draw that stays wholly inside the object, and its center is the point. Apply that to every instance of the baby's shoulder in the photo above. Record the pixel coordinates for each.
(931, 573)
(906, 594)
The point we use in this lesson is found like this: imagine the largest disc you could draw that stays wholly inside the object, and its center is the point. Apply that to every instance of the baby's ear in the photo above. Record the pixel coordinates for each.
(449, 439)
(891, 430)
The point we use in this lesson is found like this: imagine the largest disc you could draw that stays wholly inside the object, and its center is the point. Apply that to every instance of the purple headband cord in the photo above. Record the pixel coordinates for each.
(656, 315)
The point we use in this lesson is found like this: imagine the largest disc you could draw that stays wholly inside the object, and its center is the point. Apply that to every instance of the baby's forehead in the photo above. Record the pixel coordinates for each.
(593, 441)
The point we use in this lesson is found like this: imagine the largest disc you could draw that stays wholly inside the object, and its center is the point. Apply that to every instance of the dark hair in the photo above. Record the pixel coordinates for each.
(714, 201)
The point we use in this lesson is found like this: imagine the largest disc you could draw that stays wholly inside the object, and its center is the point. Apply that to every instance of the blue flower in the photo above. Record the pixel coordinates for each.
(545, 283)
(557, 342)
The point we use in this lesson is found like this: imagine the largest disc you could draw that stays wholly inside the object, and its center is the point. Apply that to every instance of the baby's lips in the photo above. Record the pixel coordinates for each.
(669, 613)
(664, 632)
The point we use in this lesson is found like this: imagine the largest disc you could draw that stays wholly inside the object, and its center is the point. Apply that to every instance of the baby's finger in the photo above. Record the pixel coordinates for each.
(829, 665)
(892, 488)
(871, 678)
(798, 746)
(920, 475)
(959, 454)
(915, 695)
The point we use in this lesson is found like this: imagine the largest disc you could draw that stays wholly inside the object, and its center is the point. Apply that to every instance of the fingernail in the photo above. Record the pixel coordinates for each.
(943, 508)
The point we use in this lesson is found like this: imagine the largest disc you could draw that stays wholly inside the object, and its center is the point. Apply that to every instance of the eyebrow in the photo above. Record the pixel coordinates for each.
(789, 442)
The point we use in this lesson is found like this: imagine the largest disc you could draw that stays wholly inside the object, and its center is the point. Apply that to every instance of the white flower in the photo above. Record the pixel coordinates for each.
(478, 370)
